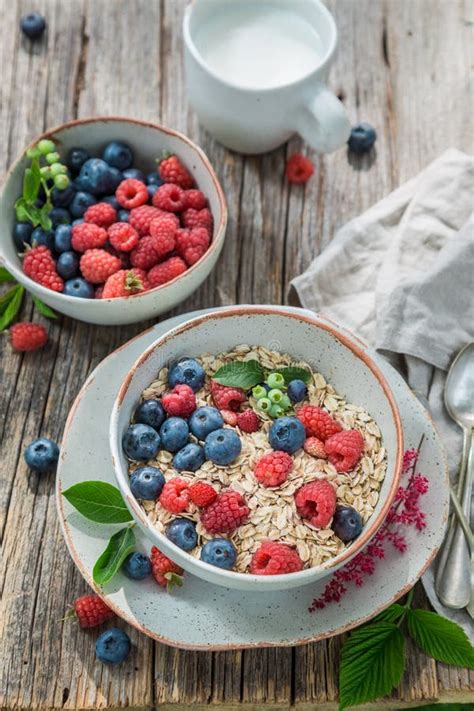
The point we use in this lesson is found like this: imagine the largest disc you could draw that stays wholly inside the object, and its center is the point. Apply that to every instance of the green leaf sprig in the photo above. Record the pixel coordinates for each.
(11, 301)
(246, 374)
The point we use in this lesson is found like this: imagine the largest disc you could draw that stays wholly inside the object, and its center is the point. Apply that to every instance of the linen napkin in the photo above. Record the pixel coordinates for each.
(402, 276)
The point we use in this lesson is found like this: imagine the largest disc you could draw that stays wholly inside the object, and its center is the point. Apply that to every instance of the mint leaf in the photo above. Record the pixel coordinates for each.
(31, 183)
(43, 308)
(442, 639)
(107, 564)
(7, 297)
(373, 659)
(294, 373)
(98, 501)
(44, 218)
(240, 374)
(21, 209)
(391, 614)
(5, 276)
(12, 307)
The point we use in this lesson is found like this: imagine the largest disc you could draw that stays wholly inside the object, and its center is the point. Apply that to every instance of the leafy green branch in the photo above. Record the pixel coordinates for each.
(11, 301)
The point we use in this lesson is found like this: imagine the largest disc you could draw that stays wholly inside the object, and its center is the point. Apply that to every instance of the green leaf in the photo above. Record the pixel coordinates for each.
(107, 564)
(22, 212)
(12, 307)
(173, 580)
(31, 181)
(442, 639)
(43, 308)
(7, 297)
(44, 218)
(5, 276)
(391, 614)
(373, 659)
(240, 374)
(294, 373)
(98, 501)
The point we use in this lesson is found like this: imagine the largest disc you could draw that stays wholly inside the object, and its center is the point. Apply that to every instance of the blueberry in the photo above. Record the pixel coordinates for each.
(42, 454)
(76, 159)
(112, 646)
(33, 25)
(60, 216)
(347, 523)
(135, 174)
(67, 265)
(189, 458)
(80, 202)
(154, 179)
(79, 287)
(79, 221)
(150, 412)
(287, 434)
(95, 176)
(174, 433)
(22, 234)
(151, 190)
(182, 532)
(62, 198)
(62, 238)
(41, 238)
(186, 371)
(146, 483)
(219, 552)
(141, 442)
(222, 446)
(118, 155)
(115, 178)
(111, 200)
(204, 420)
(297, 390)
(137, 566)
(122, 215)
(362, 138)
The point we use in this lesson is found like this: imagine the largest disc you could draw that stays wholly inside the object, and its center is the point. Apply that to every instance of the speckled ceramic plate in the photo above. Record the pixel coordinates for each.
(204, 616)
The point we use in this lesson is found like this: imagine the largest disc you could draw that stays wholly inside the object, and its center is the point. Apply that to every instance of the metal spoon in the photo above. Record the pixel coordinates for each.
(453, 579)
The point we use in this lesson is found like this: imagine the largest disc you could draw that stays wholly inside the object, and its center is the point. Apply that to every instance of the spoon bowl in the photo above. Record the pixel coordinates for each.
(459, 392)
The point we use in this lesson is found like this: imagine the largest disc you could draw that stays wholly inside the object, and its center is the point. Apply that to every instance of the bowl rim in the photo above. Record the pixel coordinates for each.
(303, 576)
(215, 243)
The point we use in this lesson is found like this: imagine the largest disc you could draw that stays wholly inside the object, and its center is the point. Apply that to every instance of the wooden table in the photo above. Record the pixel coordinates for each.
(403, 65)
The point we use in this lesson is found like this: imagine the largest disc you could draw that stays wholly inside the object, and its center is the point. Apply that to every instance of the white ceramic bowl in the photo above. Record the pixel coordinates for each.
(148, 141)
(342, 361)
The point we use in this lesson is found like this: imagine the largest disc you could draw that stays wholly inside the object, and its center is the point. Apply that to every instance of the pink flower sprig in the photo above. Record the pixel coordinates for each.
(405, 511)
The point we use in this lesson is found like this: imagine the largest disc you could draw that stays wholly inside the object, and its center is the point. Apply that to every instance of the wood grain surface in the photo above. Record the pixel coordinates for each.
(402, 65)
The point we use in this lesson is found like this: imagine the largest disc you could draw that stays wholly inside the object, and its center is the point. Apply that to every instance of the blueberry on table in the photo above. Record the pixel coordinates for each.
(146, 483)
(362, 138)
(347, 523)
(141, 442)
(67, 265)
(76, 158)
(80, 202)
(219, 552)
(189, 458)
(79, 287)
(135, 174)
(112, 646)
(287, 434)
(118, 155)
(62, 238)
(186, 371)
(297, 390)
(33, 25)
(137, 566)
(204, 420)
(150, 412)
(174, 434)
(22, 234)
(182, 532)
(222, 446)
(42, 454)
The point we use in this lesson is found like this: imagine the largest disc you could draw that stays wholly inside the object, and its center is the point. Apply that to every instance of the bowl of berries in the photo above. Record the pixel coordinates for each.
(111, 220)
(264, 464)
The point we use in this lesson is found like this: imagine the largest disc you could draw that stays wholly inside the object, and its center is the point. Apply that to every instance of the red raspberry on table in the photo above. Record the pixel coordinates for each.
(169, 197)
(299, 169)
(91, 611)
(273, 468)
(123, 236)
(195, 199)
(141, 217)
(174, 496)
(226, 513)
(344, 449)
(166, 271)
(165, 571)
(28, 336)
(316, 502)
(315, 447)
(173, 171)
(131, 193)
(248, 421)
(192, 244)
(230, 417)
(39, 265)
(225, 397)
(97, 265)
(274, 558)
(124, 283)
(202, 494)
(317, 422)
(164, 235)
(180, 402)
(101, 214)
(198, 218)
(145, 255)
(87, 236)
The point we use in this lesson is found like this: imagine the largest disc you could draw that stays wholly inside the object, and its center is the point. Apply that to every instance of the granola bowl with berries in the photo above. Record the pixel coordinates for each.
(111, 220)
(256, 448)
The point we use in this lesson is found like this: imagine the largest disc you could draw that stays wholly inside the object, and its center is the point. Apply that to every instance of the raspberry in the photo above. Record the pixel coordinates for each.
(140, 218)
(123, 236)
(344, 449)
(28, 336)
(87, 236)
(97, 265)
(166, 271)
(180, 402)
(144, 255)
(101, 214)
(124, 283)
(198, 218)
(173, 171)
(195, 199)
(299, 169)
(166, 573)
(164, 218)
(317, 422)
(273, 558)
(91, 611)
(273, 468)
(169, 197)
(131, 193)
(39, 265)
(192, 244)
(230, 418)
(248, 421)
(202, 494)
(225, 397)
(164, 236)
(226, 513)
(174, 496)
(315, 447)
(316, 502)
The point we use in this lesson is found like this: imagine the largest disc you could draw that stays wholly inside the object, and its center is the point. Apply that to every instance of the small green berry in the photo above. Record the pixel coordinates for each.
(276, 380)
(264, 404)
(285, 402)
(58, 169)
(52, 157)
(275, 396)
(258, 392)
(33, 152)
(61, 182)
(46, 147)
(276, 411)
(45, 171)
